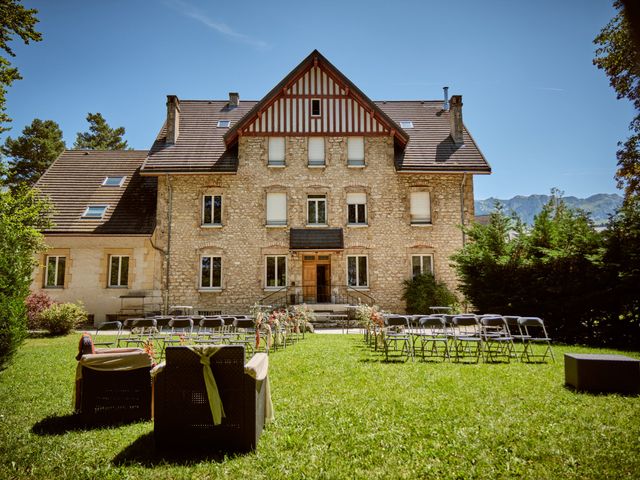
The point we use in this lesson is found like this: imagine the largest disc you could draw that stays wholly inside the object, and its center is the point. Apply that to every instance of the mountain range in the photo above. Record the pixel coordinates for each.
(600, 206)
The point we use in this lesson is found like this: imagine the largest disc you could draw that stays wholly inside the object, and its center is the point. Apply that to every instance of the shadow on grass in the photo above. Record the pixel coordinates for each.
(59, 425)
(143, 452)
(590, 393)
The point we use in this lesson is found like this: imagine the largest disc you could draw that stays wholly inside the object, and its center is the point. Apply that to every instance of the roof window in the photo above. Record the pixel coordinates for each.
(113, 181)
(406, 124)
(224, 123)
(95, 211)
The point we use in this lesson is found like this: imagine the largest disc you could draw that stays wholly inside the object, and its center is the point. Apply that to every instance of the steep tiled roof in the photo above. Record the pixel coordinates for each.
(430, 147)
(74, 181)
(200, 146)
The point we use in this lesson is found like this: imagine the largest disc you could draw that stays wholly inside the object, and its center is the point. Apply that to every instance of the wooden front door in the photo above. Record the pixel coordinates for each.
(316, 278)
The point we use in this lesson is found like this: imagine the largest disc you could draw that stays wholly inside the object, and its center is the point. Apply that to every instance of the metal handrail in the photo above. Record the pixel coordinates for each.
(338, 294)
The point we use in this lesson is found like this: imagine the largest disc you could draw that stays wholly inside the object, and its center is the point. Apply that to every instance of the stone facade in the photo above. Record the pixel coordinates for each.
(244, 240)
(86, 272)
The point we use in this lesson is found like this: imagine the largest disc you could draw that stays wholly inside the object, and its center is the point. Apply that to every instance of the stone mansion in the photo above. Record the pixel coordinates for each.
(314, 194)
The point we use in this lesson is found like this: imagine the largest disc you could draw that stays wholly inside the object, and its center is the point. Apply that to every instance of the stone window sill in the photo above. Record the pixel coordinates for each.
(317, 166)
(276, 165)
(422, 225)
(360, 289)
(357, 225)
(210, 290)
(317, 225)
(273, 225)
(355, 166)
(211, 225)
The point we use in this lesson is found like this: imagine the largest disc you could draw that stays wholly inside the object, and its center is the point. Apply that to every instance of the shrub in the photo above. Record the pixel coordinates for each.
(12, 331)
(22, 216)
(36, 303)
(423, 291)
(61, 318)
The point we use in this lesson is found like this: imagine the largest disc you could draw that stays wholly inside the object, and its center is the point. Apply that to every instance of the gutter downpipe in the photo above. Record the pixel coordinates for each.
(462, 185)
(169, 217)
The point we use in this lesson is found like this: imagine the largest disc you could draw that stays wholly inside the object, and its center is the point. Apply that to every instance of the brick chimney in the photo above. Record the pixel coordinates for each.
(455, 118)
(234, 99)
(173, 119)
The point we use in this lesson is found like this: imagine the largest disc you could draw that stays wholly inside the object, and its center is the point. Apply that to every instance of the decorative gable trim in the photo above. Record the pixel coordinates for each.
(343, 109)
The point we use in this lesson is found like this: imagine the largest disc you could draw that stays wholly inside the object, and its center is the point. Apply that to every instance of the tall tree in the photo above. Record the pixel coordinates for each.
(617, 54)
(32, 153)
(100, 135)
(14, 20)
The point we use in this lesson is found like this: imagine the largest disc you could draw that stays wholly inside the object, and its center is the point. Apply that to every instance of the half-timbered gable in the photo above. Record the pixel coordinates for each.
(316, 99)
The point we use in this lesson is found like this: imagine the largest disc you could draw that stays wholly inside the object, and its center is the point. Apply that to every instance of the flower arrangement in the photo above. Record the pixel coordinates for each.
(150, 349)
(303, 316)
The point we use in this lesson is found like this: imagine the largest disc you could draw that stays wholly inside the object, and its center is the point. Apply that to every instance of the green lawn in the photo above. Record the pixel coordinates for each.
(342, 413)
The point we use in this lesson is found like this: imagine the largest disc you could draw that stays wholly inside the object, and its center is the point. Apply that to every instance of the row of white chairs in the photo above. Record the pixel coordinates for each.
(465, 338)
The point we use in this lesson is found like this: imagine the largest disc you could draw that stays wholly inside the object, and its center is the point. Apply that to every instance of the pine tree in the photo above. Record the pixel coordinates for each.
(32, 153)
(14, 19)
(100, 135)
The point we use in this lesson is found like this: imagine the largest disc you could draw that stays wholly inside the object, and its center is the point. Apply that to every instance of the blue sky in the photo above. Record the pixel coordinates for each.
(542, 114)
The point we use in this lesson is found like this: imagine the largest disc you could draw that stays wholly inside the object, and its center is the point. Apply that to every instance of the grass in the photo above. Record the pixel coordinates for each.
(342, 413)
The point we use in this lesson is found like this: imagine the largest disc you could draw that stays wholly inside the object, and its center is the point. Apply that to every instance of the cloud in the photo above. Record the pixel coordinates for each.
(192, 12)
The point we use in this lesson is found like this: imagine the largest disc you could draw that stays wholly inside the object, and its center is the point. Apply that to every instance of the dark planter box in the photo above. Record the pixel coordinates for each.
(602, 373)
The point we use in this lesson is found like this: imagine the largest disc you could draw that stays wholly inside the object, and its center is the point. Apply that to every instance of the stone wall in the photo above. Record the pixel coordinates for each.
(389, 240)
(87, 269)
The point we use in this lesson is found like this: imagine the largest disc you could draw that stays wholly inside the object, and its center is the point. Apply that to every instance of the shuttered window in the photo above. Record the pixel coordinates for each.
(355, 151)
(357, 208)
(276, 150)
(316, 151)
(276, 208)
(420, 208)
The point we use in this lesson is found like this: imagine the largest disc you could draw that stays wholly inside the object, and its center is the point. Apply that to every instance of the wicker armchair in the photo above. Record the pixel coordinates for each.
(114, 386)
(182, 414)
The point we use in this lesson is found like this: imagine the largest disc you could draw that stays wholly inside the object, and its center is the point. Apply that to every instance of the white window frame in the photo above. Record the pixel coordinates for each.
(413, 220)
(316, 162)
(57, 266)
(211, 287)
(224, 123)
(266, 279)
(213, 223)
(277, 223)
(95, 216)
(422, 269)
(317, 200)
(406, 124)
(119, 284)
(363, 221)
(105, 182)
(358, 286)
(355, 162)
(277, 162)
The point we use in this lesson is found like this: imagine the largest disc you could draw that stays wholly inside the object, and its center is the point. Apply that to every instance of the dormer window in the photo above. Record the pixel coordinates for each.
(315, 107)
(113, 181)
(406, 124)
(95, 211)
(224, 123)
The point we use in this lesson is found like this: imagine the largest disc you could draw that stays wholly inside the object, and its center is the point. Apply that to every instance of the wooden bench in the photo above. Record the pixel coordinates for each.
(602, 373)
